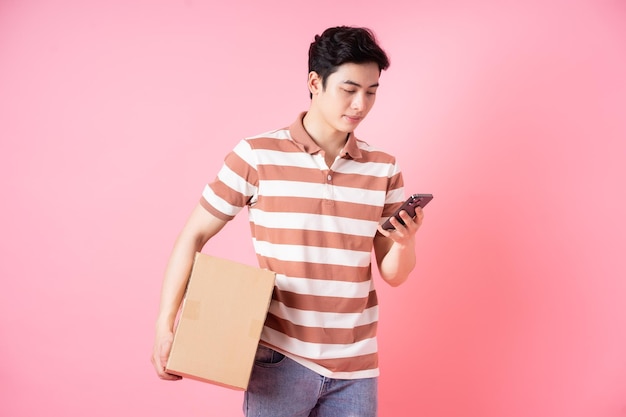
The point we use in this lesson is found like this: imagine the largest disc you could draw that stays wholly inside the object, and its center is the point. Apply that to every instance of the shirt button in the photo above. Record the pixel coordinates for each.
(330, 177)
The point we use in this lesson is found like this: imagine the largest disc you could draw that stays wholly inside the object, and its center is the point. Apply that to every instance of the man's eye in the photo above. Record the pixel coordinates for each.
(349, 91)
(371, 93)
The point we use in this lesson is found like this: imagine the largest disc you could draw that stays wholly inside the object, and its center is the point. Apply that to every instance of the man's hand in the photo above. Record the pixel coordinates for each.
(403, 235)
(160, 354)
(200, 227)
(395, 249)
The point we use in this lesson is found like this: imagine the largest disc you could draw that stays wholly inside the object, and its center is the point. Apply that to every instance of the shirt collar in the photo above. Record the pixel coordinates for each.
(302, 138)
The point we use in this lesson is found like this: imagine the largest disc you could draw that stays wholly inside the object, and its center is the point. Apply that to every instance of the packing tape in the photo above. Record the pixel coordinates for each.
(191, 309)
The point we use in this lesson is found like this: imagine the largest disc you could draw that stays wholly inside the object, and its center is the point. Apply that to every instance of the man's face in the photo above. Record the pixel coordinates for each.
(349, 95)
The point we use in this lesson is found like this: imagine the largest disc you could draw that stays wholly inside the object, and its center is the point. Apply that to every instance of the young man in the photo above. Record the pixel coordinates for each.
(316, 196)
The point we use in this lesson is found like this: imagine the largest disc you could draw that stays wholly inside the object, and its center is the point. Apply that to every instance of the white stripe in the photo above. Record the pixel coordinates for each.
(219, 203)
(277, 188)
(324, 288)
(273, 134)
(368, 373)
(323, 223)
(325, 320)
(395, 196)
(317, 350)
(286, 159)
(374, 169)
(298, 253)
(245, 152)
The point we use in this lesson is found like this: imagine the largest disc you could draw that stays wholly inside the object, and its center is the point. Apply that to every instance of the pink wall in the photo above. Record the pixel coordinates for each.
(113, 115)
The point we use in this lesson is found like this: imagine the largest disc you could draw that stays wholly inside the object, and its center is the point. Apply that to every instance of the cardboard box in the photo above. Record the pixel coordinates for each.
(220, 323)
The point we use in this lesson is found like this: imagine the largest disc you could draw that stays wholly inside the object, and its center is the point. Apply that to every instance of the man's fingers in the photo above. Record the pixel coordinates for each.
(164, 353)
(159, 360)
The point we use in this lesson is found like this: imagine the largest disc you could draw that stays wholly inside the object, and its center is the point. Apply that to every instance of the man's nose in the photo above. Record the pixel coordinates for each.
(358, 102)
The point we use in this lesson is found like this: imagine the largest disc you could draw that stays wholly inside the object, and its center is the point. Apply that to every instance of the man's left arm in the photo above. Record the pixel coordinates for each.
(395, 249)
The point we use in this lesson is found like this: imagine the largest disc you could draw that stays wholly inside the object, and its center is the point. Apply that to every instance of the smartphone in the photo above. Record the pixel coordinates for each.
(416, 200)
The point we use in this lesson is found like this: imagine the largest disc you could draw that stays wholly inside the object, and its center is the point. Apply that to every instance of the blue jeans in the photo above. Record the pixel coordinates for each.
(281, 387)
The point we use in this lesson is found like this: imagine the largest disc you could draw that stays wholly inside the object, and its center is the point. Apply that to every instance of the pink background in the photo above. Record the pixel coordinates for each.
(114, 114)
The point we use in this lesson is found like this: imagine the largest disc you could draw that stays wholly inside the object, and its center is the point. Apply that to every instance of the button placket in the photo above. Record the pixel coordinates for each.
(328, 187)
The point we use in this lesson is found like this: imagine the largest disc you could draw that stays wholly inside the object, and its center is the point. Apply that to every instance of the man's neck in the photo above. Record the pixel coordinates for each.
(330, 140)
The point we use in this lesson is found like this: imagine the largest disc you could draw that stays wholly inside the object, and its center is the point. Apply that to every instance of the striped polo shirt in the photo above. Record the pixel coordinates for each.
(313, 225)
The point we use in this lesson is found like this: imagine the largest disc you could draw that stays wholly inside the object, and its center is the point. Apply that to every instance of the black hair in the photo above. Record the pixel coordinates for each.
(344, 44)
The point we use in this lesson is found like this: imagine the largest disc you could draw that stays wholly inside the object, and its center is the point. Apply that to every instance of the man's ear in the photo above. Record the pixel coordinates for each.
(314, 83)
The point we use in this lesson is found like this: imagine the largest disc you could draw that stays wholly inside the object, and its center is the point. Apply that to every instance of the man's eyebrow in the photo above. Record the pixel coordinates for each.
(357, 84)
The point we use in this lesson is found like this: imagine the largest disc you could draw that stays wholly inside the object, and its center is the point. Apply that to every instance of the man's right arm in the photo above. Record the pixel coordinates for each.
(200, 227)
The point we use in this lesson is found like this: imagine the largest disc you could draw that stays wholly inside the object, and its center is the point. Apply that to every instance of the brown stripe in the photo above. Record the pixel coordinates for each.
(314, 175)
(325, 304)
(288, 204)
(395, 182)
(378, 156)
(213, 211)
(354, 364)
(321, 335)
(290, 173)
(242, 168)
(229, 195)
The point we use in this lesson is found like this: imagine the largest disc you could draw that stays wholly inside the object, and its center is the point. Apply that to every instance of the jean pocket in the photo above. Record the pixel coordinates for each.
(267, 357)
